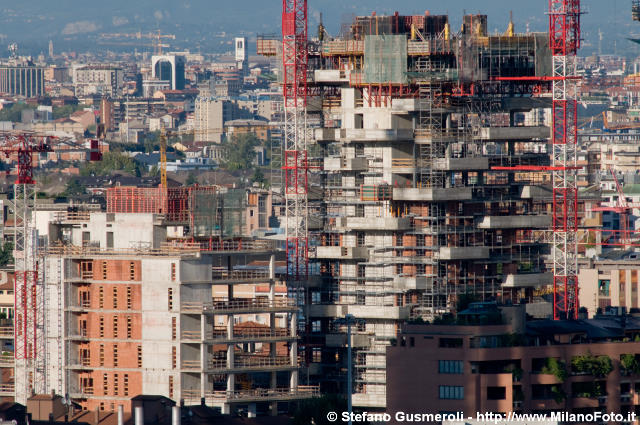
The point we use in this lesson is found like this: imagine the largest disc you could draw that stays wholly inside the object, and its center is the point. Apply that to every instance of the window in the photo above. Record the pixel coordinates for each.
(451, 342)
(173, 271)
(174, 355)
(104, 270)
(101, 320)
(171, 387)
(126, 384)
(170, 298)
(496, 393)
(115, 355)
(115, 384)
(173, 328)
(105, 384)
(450, 366)
(129, 330)
(102, 406)
(449, 392)
(101, 354)
(129, 303)
(139, 355)
(603, 287)
(101, 296)
(132, 271)
(115, 326)
(115, 298)
(316, 326)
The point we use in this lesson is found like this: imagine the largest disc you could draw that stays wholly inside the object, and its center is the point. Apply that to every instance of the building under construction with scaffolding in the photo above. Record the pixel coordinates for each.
(429, 140)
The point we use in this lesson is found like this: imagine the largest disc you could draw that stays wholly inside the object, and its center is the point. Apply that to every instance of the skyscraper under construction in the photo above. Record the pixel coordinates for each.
(429, 149)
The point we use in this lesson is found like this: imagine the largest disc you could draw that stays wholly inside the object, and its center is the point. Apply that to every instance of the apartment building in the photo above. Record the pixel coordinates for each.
(609, 280)
(105, 80)
(416, 208)
(132, 308)
(501, 363)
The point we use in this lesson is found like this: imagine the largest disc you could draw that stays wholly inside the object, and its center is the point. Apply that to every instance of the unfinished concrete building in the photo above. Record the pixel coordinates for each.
(135, 304)
(416, 120)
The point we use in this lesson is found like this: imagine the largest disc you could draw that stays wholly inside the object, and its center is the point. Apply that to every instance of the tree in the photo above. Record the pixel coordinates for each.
(239, 151)
(556, 368)
(191, 180)
(74, 188)
(6, 254)
(315, 410)
(258, 177)
(111, 161)
(14, 113)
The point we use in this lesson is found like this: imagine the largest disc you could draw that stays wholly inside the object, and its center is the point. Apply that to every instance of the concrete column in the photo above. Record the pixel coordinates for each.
(293, 353)
(231, 378)
(138, 416)
(120, 414)
(175, 415)
(252, 410)
(272, 267)
(226, 409)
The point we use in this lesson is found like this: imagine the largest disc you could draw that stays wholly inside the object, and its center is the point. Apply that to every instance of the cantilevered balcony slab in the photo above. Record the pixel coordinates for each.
(515, 222)
(527, 280)
(340, 340)
(363, 135)
(374, 223)
(513, 133)
(461, 164)
(340, 252)
(379, 312)
(411, 283)
(431, 194)
(346, 164)
(464, 253)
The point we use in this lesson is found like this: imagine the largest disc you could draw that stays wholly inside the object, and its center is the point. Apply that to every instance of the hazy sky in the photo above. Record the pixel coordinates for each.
(34, 22)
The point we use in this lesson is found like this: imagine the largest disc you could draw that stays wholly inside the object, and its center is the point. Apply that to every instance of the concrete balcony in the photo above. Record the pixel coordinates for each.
(411, 283)
(379, 312)
(531, 192)
(515, 222)
(359, 311)
(527, 280)
(340, 340)
(363, 135)
(431, 194)
(374, 223)
(464, 253)
(346, 164)
(461, 164)
(340, 252)
(513, 133)
(330, 76)
(370, 400)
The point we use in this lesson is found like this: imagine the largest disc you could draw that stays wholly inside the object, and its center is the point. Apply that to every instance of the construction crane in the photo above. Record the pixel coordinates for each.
(622, 208)
(29, 335)
(163, 148)
(295, 57)
(621, 126)
(156, 36)
(564, 41)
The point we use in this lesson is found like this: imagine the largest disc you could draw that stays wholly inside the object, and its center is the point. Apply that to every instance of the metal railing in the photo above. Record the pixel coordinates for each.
(7, 388)
(249, 333)
(303, 391)
(237, 305)
(6, 332)
(242, 362)
(240, 274)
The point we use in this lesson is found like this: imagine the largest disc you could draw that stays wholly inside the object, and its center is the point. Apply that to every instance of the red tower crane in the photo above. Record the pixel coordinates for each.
(564, 41)
(295, 58)
(622, 208)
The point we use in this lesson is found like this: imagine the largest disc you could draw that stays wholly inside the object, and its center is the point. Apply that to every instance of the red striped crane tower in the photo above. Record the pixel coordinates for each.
(295, 58)
(564, 41)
